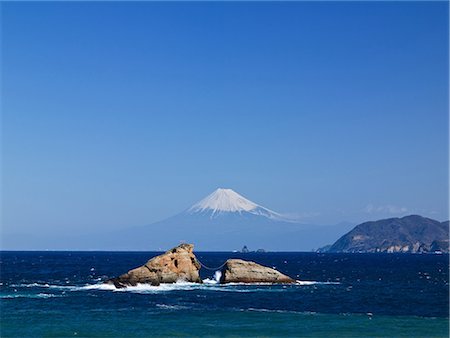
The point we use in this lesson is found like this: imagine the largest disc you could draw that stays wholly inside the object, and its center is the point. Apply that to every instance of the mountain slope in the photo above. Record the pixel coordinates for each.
(407, 234)
(222, 221)
(223, 201)
(225, 220)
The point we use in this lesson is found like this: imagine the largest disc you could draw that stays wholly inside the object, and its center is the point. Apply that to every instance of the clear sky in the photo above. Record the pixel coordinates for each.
(121, 114)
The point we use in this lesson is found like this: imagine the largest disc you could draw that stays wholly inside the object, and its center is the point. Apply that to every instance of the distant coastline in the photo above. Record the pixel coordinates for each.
(409, 234)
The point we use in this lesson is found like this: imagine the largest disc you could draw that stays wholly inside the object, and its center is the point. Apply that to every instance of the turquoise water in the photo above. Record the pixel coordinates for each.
(124, 322)
(61, 295)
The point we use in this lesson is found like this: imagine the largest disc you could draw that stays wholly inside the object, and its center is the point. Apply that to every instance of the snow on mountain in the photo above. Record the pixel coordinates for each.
(222, 221)
(228, 201)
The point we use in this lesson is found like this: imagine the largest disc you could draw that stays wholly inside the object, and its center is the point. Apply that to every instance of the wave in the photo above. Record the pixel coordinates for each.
(207, 285)
(178, 286)
(278, 311)
(297, 283)
(307, 282)
(182, 286)
(146, 288)
(31, 285)
(171, 307)
(39, 295)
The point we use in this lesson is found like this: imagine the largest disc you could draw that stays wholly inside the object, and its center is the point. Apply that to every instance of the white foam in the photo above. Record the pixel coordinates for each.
(47, 295)
(32, 285)
(215, 280)
(102, 286)
(171, 307)
(39, 295)
(250, 284)
(217, 276)
(279, 311)
(145, 288)
(207, 285)
(210, 285)
(210, 281)
(308, 282)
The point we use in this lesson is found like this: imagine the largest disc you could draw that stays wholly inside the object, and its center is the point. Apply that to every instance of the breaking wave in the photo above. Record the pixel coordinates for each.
(278, 311)
(39, 295)
(209, 284)
(171, 307)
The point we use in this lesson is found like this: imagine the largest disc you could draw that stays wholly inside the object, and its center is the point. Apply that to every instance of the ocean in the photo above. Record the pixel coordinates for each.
(60, 294)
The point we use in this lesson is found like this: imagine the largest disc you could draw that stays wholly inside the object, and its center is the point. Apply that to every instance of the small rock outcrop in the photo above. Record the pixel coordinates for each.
(240, 271)
(176, 264)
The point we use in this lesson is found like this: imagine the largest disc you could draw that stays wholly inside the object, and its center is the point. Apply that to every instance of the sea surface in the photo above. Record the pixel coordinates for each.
(60, 294)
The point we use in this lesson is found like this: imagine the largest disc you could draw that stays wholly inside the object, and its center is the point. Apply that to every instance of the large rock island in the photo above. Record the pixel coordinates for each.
(240, 271)
(180, 264)
(409, 234)
(174, 265)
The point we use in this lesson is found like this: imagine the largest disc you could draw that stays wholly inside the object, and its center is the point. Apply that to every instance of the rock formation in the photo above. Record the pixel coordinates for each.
(412, 234)
(176, 264)
(240, 271)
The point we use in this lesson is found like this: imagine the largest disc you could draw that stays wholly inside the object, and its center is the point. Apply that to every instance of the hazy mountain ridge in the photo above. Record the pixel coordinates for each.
(412, 234)
(222, 225)
(222, 221)
(226, 221)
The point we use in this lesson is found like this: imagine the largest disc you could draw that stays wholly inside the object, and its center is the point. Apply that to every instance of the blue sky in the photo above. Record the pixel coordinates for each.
(120, 114)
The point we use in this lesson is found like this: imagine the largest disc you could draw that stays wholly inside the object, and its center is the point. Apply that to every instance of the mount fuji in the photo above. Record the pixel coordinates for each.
(224, 201)
(224, 221)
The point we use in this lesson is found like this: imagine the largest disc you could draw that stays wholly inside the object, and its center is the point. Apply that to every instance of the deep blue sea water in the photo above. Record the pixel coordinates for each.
(59, 294)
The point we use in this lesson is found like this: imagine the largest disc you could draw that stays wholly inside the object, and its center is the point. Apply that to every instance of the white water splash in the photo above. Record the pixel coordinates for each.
(215, 280)
(171, 307)
(209, 284)
(21, 295)
(308, 282)
(217, 276)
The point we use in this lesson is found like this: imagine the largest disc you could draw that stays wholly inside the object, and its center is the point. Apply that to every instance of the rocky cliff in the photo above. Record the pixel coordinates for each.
(240, 271)
(176, 264)
(413, 234)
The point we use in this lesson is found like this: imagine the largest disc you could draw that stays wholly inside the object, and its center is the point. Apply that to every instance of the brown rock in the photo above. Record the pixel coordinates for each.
(240, 271)
(176, 264)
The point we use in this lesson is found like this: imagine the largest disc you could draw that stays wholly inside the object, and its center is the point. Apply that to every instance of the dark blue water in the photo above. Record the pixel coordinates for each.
(58, 294)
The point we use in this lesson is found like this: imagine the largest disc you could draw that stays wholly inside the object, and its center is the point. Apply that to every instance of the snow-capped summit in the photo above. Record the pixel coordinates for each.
(222, 221)
(226, 201)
